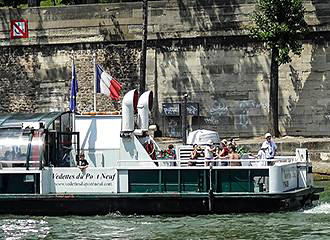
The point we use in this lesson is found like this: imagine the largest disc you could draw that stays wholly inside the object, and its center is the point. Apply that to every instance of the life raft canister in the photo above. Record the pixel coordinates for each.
(150, 148)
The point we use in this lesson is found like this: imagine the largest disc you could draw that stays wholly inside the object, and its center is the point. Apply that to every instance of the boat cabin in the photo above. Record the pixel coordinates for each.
(37, 140)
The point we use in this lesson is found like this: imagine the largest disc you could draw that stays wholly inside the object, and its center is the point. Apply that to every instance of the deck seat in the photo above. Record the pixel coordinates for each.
(245, 160)
(184, 152)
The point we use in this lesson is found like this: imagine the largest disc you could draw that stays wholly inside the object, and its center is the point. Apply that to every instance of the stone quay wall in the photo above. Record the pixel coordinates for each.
(195, 47)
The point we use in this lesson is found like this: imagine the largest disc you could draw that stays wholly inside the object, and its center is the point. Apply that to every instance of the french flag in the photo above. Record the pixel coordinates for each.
(106, 84)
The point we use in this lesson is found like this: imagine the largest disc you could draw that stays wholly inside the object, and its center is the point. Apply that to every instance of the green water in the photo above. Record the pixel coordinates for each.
(311, 223)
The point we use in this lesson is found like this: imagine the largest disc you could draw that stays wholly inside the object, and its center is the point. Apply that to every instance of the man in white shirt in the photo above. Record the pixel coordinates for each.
(208, 153)
(271, 146)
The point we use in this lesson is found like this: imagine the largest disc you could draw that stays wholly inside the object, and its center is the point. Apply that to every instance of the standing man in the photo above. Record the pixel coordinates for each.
(208, 153)
(271, 147)
(233, 155)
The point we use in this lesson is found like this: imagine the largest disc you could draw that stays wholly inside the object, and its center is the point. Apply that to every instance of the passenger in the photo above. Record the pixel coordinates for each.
(16, 152)
(271, 147)
(262, 155)
(82, 163)
(223, 152)
(208, 153)
(158, 132)
(195, 153)
(218, 151)
(8, 157)
(233, 155)
(171, 151)
(171, 154)
(233, 142)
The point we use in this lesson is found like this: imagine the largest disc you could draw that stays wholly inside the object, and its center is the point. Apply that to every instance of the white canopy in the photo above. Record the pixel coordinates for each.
(201, 137)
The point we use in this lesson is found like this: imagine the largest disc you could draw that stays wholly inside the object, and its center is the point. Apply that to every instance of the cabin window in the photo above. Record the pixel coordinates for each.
(57, 124)
(13, 147)
(36, 139)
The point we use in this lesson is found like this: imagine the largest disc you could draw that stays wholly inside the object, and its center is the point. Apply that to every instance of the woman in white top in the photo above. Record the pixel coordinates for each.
(262, 155)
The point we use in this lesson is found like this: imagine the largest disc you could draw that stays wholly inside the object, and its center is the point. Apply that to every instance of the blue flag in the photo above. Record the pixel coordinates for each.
(74, 89)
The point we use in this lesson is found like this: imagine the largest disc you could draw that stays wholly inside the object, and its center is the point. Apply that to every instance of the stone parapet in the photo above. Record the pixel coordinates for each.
(123, 21)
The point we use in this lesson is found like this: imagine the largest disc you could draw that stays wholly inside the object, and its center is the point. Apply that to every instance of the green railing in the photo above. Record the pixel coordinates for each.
(194, 180)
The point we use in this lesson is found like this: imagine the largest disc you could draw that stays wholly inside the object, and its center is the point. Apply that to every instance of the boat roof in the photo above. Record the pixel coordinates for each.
(15, 120)
(202, 136)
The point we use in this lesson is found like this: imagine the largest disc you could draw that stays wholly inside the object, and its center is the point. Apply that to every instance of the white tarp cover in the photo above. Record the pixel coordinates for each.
(202, 136)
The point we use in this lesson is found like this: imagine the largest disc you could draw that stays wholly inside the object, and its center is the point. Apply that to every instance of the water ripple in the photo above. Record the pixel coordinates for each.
(313, 223)
(323, 208)
(12, 229)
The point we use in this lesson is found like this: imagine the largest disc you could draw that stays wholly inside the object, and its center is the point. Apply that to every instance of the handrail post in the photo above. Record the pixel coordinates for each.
(179, 180)
(29, 151)
(160, 180)
(184, 119)
(210, 194)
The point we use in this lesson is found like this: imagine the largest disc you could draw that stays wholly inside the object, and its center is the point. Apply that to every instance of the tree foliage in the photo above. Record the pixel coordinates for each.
(281, 24)
(15, 3)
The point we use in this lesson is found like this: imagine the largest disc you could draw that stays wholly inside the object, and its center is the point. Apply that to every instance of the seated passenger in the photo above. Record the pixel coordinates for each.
(9, 156)
(16, 151)
(171, 154)
(195, 153)
(82, 163)
(171, 151)
(158, 132)
(233, 155)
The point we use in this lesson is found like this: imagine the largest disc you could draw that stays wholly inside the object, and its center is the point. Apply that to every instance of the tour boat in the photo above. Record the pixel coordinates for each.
(40, 172)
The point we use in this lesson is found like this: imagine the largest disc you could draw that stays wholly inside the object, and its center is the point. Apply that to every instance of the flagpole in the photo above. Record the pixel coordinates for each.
(74, 111)
(75, 100)
(94, 62)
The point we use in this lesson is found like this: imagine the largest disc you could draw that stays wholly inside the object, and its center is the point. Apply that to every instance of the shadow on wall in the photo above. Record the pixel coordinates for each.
(308, 109)
(219, 73)
(21, 77)
(122, 62)
(117, 33)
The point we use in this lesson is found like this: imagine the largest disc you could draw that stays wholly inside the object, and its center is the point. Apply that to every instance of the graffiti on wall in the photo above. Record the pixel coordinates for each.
(327, 117)
(239, 113)
(174, 127)
(171, 109)
(246, 110)
(193, 109)
(217, 111)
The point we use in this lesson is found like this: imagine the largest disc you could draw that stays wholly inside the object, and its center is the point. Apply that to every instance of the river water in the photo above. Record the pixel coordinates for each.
(311, 223)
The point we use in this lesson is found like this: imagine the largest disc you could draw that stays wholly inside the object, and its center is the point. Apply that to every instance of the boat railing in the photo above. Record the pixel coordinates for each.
(249, 162)
(18, 164)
